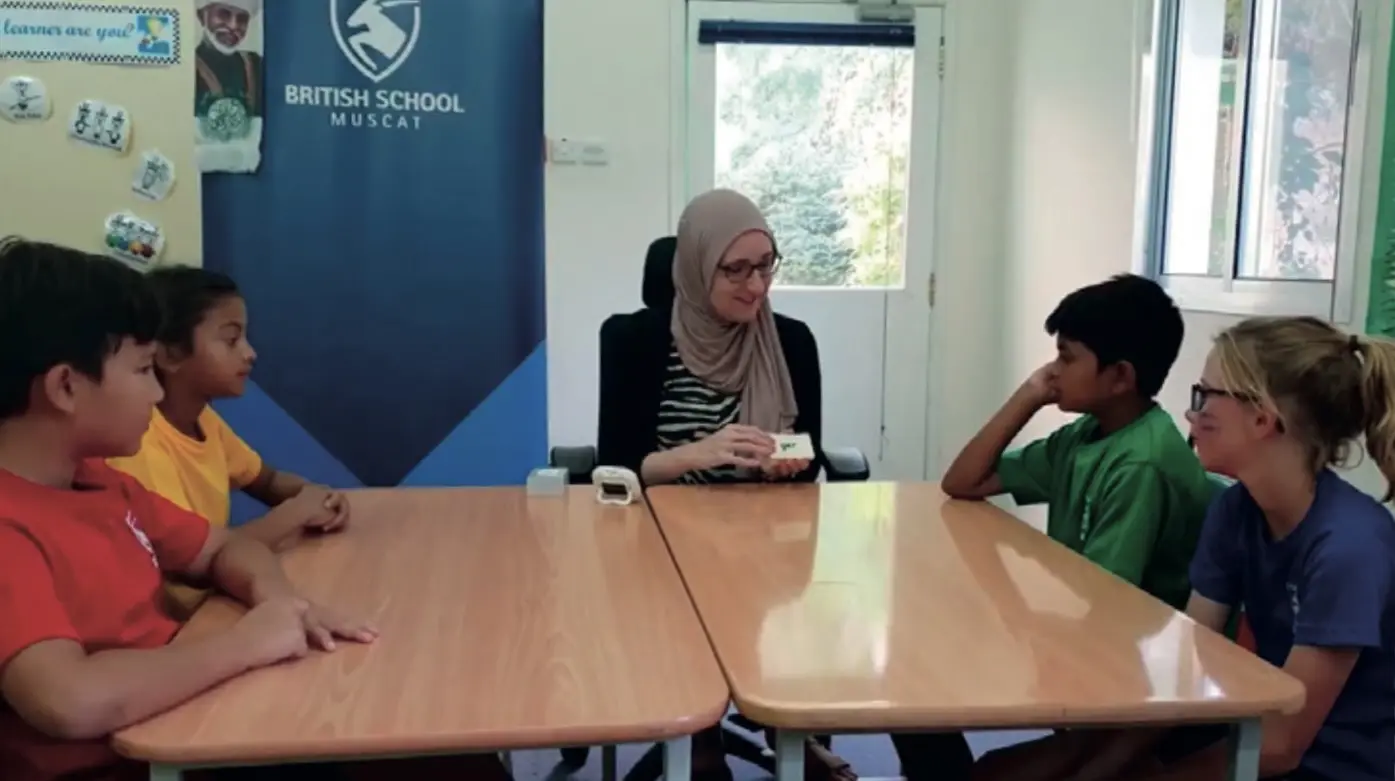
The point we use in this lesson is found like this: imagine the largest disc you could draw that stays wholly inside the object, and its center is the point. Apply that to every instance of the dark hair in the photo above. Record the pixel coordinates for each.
(186, 294)
(1125, 318)
(64, 306)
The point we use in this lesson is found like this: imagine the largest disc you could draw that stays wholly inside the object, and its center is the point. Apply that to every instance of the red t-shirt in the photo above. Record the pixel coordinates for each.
(85, 565)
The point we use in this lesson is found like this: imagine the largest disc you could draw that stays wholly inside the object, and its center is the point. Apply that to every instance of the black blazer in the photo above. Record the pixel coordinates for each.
(634, 358)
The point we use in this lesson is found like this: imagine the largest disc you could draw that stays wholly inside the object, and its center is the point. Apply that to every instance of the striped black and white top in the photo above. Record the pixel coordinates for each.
(690, 410)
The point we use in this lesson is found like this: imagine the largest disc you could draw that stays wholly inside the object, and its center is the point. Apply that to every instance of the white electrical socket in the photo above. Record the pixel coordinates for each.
(572, 151)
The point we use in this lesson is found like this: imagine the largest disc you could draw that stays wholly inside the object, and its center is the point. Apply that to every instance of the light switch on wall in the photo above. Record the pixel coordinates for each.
(572, 151)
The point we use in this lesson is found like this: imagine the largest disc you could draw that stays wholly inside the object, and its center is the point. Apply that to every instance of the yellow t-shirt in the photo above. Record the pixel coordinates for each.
(196, 475)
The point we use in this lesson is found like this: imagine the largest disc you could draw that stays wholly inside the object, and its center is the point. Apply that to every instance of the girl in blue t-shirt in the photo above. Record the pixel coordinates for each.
(1308, 558)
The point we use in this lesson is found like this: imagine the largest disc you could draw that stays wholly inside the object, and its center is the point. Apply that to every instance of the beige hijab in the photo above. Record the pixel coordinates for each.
(743, 358)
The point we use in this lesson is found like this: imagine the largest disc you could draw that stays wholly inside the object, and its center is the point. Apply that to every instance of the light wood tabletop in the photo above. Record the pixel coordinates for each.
(874, 606)
(506, 622)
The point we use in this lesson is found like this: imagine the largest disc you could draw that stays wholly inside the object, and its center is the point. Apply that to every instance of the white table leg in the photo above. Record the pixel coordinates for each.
(678, 759)
(789, 755)
(1245, 742)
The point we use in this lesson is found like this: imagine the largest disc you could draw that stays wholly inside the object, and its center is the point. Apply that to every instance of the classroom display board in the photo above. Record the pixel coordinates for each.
(1380, 312)
(390, 243)
(93, 152)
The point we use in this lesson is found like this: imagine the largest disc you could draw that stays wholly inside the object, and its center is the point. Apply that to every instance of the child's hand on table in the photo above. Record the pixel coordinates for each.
(288, 627)
(321, 509)
(337, 502)
(323, 625)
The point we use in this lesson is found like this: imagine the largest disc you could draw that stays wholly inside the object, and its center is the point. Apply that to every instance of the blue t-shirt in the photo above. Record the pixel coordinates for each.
(1330, 584)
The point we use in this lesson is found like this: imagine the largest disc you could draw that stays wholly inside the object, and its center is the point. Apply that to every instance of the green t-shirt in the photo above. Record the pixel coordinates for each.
(1132, 502)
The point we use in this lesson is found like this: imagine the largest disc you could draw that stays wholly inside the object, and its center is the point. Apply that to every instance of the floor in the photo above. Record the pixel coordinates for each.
(870, 755)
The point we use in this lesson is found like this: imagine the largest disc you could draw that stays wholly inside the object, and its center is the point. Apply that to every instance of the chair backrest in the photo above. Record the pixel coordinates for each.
(657, 286)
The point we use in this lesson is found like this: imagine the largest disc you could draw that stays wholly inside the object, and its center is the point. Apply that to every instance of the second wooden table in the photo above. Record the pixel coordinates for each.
(872, 607)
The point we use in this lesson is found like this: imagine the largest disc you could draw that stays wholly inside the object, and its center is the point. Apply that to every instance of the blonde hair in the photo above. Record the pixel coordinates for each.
(1328, 387)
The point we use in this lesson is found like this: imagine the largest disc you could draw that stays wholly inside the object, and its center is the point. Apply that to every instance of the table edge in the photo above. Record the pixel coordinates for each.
(808, 716)
(384, 746)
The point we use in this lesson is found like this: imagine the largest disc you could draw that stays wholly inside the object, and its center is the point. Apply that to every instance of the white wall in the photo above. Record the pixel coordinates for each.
(1038, 161)
(610, 86)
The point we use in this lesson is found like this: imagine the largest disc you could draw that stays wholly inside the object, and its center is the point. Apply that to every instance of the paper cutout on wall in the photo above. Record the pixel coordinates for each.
(99, 124)
(154, 176)
(134, 240)
(228, 86)
(24, 99)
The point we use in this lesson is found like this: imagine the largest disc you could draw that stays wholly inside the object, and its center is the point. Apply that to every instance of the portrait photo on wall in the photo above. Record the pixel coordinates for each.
(228, 99)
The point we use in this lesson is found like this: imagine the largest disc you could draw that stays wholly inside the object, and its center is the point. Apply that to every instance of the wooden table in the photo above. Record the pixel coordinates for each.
(878, 607)
(507, 622)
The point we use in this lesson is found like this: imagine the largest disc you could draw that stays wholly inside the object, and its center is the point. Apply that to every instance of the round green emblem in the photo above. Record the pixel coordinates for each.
(227, 120)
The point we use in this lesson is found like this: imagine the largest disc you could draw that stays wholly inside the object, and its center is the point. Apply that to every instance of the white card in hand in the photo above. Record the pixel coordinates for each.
(793, 446)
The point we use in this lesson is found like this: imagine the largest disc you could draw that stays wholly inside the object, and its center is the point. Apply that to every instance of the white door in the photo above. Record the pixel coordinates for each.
(830, 124)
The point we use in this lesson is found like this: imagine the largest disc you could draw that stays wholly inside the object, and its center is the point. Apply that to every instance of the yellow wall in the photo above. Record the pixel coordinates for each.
(56, 189)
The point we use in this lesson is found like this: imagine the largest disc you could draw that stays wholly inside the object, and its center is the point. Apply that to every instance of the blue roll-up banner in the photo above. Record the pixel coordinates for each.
(390, 247)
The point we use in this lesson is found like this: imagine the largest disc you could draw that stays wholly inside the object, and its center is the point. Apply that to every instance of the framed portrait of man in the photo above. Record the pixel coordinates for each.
(228, 94)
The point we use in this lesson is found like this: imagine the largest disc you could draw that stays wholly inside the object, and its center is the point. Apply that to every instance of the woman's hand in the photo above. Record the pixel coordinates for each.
(784, 468)
(735, 445)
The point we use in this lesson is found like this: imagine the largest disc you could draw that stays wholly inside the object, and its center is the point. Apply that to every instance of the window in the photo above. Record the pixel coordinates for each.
(1255, 154)
(818, 134)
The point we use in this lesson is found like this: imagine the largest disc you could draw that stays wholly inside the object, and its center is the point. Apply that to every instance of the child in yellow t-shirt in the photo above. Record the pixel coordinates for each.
(189, 455)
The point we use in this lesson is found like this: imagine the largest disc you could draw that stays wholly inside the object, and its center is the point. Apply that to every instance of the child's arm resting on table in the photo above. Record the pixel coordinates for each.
(60, 689)
(978, 470)
(297, 505)
(249, 572)
(272, 486)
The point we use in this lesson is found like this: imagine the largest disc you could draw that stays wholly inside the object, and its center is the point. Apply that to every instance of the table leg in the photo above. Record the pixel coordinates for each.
(609, 768)
(1245, 741)
(165, 773)
(678, 759)
(789, 755)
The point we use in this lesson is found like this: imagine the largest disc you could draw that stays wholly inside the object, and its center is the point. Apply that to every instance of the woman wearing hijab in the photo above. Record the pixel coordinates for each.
(693, 394)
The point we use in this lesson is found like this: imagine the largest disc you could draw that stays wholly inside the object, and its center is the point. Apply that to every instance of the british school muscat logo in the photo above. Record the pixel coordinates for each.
(377, 37)
(372, 41)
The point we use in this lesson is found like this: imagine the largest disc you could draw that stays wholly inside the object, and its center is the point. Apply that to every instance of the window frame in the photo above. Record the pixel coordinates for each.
(1227, 294)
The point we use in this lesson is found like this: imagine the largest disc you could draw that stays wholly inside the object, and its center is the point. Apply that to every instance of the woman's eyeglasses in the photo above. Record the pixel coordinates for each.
(741, 270)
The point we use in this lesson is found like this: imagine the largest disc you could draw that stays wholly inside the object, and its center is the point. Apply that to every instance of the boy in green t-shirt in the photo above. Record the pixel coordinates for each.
(1123, 488)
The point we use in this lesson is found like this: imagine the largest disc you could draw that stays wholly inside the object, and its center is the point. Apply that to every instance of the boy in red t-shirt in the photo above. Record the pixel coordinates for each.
(83, 640)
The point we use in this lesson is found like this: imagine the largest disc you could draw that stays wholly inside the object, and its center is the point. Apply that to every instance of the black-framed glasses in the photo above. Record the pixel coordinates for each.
(741, 270)
(1201, 393)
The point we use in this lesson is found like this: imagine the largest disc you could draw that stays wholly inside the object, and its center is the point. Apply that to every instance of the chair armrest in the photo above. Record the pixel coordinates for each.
(846, 465)
(578, 460)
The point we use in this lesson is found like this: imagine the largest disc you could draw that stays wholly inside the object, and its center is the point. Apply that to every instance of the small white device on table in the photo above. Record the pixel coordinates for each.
(547, 481)
(615, 485)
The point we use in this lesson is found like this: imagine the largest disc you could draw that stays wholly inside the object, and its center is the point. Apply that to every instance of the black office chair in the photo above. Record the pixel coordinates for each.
(842, 464)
